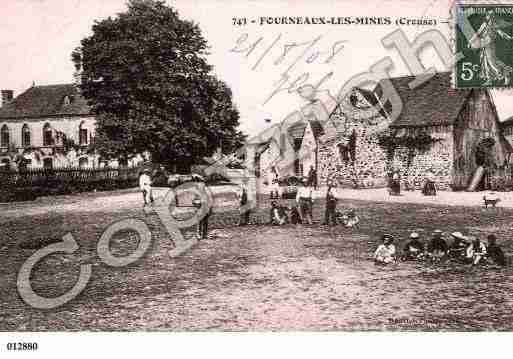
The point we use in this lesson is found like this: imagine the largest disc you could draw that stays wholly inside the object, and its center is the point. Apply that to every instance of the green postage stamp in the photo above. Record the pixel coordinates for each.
(484, 46)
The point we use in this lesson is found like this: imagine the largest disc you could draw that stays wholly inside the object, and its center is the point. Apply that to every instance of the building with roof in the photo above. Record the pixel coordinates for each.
(453, 137)
(46, 127)
(294, 147)
(353, 157)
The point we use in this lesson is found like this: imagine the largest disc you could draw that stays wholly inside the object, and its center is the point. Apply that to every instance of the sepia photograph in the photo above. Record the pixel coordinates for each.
(295, 168)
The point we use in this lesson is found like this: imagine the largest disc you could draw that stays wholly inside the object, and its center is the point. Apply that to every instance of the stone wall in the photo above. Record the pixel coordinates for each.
(368, 166)
(453, 145)
(372, 164)
(436, 162)
(367, 169)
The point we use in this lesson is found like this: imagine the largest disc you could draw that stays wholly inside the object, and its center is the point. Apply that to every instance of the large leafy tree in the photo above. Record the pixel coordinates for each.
(145, 75)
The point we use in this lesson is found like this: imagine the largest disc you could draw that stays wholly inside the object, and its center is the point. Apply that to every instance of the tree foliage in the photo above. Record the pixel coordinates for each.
(145, 75)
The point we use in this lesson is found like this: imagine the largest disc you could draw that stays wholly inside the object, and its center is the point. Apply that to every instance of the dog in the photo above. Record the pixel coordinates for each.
(491, 202)
(491, 199)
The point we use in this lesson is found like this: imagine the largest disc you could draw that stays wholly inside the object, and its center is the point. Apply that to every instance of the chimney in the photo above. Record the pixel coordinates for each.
(7, 96)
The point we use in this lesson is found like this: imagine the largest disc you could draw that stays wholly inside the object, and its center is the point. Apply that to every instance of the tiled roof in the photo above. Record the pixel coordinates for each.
(430, 104)
(42, 101)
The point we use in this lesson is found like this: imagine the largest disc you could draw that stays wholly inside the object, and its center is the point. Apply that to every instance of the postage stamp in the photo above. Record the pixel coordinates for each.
(484, 45)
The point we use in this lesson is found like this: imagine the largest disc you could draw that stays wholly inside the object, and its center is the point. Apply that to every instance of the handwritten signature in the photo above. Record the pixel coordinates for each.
(281, 52)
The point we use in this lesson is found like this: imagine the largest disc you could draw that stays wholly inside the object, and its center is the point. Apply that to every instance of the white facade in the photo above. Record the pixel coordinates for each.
(49, 127)
(40, 141)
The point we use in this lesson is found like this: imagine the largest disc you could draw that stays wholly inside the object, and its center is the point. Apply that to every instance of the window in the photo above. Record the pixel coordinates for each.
(4, 136)
(68, 100)
(25, 136)
(82, 134)
(83, 162)
(48, 163)
(47, 135)
(297, 143)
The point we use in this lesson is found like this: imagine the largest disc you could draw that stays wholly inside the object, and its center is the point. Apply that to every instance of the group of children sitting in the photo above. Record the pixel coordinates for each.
(463, 249)
(280, 215)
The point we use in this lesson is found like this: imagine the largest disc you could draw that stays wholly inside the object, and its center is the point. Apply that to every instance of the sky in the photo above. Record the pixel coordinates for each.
(38, 36)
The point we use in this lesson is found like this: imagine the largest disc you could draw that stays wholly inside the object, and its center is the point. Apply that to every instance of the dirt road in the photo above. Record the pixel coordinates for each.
(258, 277)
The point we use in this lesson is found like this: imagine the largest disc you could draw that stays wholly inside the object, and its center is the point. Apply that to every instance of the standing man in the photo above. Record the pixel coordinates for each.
(203, 225)
(396, 183)
(145, 187)
(203, 222)
(244, 211)
(312, 177)
(304, 201)
(274, 182)
(331, 205)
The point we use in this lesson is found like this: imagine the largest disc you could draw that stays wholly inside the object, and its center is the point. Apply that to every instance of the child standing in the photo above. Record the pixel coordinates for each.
(145, 187)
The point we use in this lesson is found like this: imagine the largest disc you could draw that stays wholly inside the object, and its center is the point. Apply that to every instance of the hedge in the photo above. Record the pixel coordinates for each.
(31, 183)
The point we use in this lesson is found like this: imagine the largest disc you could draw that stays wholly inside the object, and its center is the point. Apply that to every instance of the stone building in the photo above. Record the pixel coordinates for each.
(47, 127)
(451, 136)
(461, 141)
(293, 146)
(353, 156)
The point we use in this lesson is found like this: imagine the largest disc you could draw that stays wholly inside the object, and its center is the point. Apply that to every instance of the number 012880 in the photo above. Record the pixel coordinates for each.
(19, 346)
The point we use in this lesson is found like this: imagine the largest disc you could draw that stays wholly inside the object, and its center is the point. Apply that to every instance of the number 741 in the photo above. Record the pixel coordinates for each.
(467, 71)
(239, 21)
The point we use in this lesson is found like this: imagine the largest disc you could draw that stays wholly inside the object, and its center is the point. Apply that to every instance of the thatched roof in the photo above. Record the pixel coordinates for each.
(46, 101)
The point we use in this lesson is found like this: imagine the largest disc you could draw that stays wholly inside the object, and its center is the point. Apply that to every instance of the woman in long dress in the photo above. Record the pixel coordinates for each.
(492, 68)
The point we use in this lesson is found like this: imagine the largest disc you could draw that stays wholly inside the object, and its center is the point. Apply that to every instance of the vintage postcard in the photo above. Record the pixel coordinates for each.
(255, 166)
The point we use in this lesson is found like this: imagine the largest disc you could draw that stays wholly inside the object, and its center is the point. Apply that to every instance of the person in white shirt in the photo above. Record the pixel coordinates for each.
(476, 250)
(304, 201)
(350, 219)
(385, 253)
(145, 187)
